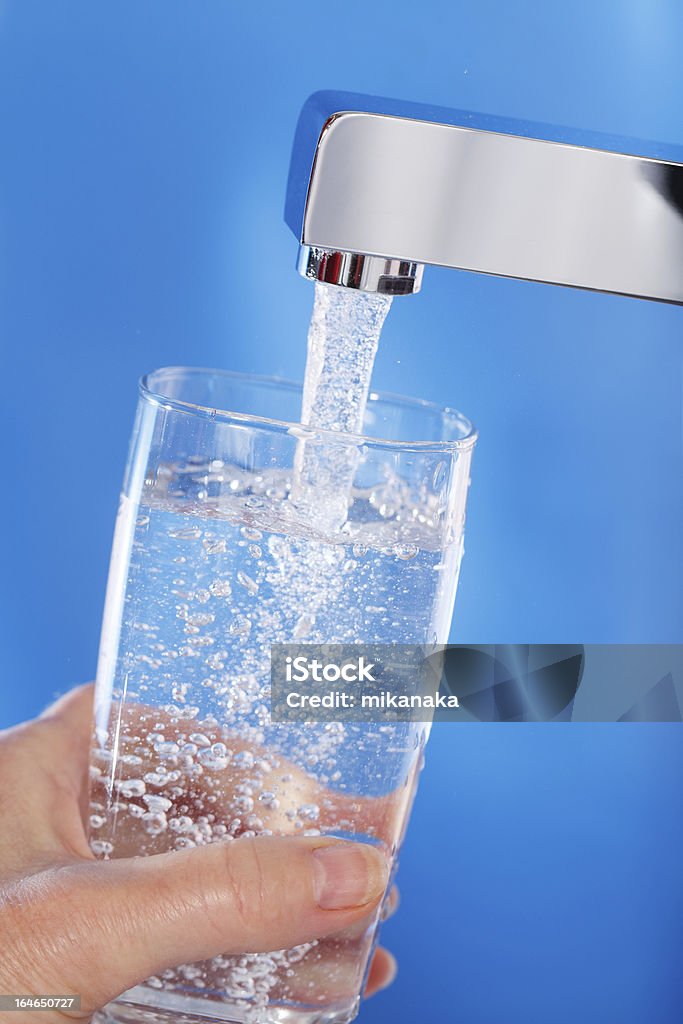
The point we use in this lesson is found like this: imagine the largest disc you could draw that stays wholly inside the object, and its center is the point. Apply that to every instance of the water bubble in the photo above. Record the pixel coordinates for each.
(201, 641)
(239, 985)
(304, 625)
(185, 533)
(156, 778)
(202, 596)
(247, 582)
(189, 711)
(181, 824)
(250, 533)
(154, 982)
(200, 739)
(96, 821)
(405, 551)
(297, 953)
(101, 848)
(131, 759)
(166, 750)
(214, 762)
(349, 565)
(130, 787)
(184, 843)
(179, 693)
(214, 547)
(154, 823)
(201, 619)
(309, 812)
(135, 810)
(157, 803)
(142, 521)
(254, 550)
(220, 588)
(243, 759)
(359, 550)
(240, 626)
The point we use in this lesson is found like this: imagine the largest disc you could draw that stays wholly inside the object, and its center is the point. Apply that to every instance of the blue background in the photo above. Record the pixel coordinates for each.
(144, 152)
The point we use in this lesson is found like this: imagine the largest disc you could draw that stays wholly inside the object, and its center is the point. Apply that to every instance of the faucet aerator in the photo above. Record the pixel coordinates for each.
(356, 270)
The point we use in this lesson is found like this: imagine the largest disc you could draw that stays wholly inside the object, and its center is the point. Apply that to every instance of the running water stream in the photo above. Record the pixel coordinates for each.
(342, 344)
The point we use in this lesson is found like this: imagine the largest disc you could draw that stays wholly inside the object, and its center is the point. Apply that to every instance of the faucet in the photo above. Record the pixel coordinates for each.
(378, 188)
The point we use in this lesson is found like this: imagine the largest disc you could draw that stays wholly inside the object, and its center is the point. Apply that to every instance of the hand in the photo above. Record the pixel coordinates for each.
(73, 925)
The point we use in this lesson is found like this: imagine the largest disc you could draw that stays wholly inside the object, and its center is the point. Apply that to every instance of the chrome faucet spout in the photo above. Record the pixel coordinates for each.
(378, 188)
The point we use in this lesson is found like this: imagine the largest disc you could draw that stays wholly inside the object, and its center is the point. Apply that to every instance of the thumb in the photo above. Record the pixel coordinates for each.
(124, 920)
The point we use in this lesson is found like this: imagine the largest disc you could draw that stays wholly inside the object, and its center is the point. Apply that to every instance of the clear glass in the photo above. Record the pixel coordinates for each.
(213, 561)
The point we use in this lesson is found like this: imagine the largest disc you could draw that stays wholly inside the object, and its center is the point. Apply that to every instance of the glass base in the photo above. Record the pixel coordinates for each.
(136, 1007)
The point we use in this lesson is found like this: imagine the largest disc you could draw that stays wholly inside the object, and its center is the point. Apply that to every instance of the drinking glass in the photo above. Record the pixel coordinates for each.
(213, 561)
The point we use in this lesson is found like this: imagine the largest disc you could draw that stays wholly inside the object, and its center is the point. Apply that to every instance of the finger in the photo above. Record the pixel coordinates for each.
(74, 706)
(43, 765)
(391, 903)
(116, 923)
(383, 970)
(70, 721)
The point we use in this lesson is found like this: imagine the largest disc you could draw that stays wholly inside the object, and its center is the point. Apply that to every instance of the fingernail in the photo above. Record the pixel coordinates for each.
(348, 875)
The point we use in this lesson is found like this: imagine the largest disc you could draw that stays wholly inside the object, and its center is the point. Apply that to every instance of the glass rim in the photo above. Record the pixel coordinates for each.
(155, 396)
